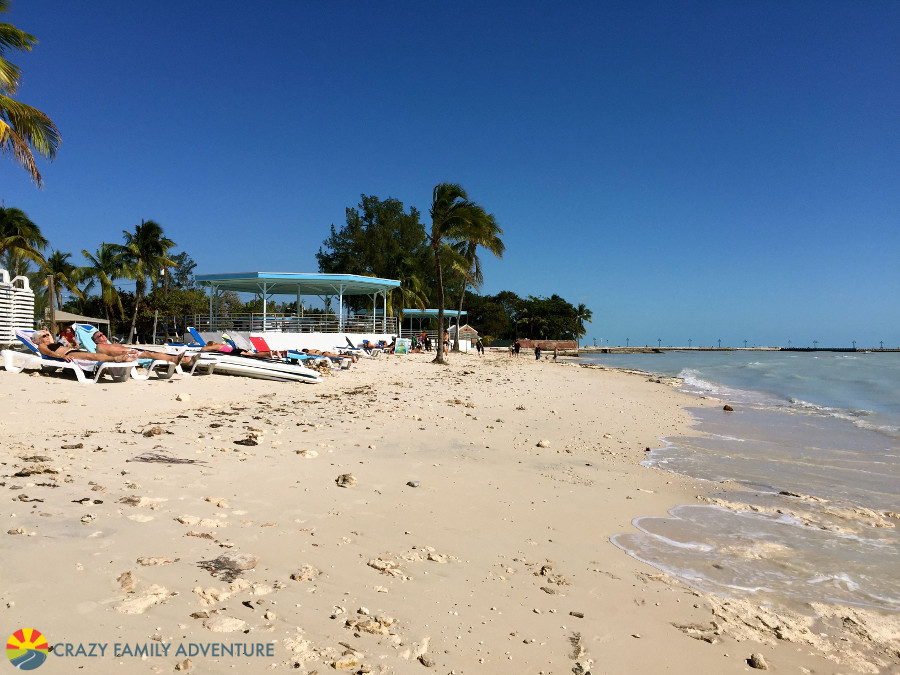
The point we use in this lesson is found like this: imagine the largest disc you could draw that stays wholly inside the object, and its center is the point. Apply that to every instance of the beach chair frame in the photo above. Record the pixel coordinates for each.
(83, 370)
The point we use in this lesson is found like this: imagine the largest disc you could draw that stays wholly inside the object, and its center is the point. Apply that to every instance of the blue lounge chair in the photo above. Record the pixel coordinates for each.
(163, 369)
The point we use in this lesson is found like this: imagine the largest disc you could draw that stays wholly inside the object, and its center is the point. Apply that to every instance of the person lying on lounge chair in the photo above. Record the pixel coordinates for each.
(47, 347)
(331, 355)
(104, 346)
(222, 348)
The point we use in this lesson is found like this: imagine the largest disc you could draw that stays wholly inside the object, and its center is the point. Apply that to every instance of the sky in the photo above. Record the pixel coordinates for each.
(691, 171)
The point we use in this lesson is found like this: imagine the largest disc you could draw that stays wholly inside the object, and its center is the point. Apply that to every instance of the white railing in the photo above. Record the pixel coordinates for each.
(285, 323)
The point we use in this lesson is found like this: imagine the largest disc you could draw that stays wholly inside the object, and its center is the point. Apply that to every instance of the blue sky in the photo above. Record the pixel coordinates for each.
(689, 170)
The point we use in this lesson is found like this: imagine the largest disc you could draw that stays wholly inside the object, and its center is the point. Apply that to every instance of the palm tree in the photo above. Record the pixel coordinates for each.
(65, 276)
(411, 292)
(23, 129)
(15, 263)
(453, 219)
(19, 234)
(486, 234)
(145, 254)
(582, 314)
(106, 265)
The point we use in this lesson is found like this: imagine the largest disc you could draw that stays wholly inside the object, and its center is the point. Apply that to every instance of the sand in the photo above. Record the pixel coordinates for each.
(399, 517)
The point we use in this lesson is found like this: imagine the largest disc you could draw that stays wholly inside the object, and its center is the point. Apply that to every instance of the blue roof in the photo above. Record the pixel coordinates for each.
(428, 313)
(277, 283)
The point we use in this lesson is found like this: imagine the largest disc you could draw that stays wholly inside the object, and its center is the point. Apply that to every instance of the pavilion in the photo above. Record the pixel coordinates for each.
(268, 284)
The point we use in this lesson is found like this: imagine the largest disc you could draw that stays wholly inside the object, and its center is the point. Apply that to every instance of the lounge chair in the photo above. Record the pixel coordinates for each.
(358, 351)
(261, 368)
(243, 340)
(13, 362)
(163, 369)
(338, 363)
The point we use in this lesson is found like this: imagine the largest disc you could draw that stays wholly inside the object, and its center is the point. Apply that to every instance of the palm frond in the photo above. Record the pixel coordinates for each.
(34, 127)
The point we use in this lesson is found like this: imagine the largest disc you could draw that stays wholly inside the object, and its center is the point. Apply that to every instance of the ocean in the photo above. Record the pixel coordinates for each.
(805, 473)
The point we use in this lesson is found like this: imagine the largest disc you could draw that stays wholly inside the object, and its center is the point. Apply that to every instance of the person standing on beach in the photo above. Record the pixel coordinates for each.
(446, 342)
(516, 348)
(479, 347)
(537, 352)
(555, 352)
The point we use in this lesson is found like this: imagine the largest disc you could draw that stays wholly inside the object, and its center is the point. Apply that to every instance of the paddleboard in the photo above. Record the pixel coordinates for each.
(260, 368)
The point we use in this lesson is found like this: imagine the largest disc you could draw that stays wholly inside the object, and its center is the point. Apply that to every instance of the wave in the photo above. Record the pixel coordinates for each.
(843, 413)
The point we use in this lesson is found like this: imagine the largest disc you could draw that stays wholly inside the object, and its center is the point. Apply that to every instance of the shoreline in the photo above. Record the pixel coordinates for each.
(496, 560)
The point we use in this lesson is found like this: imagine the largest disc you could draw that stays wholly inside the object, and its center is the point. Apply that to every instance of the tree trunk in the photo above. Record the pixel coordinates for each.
(51, 296)
(138, 294)
(458, 317)
(440, 288)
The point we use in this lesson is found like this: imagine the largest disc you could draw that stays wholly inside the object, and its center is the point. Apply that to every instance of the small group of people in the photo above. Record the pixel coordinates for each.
(422, 343)
(515, 347)
(331, 355)
(66, 347)
(537, 352)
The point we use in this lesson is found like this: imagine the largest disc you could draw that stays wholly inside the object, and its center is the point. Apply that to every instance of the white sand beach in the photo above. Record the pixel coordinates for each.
(399, 517)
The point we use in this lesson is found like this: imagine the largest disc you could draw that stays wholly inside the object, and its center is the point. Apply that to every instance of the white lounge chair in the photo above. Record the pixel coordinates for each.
(369, 352)
(142, 367)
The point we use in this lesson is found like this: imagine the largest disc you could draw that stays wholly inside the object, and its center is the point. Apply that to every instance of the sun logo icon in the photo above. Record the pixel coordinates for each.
(27, 649)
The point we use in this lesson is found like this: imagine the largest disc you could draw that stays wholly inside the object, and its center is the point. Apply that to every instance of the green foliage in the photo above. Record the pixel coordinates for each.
(455, 220)
(506, 316)
(145, 255)
(381, 240)
(105, 266)
(177, 301)
(229, 302)
(65, 275)
(23, 129)
(18, 235)
(181, 274)
(489, 316)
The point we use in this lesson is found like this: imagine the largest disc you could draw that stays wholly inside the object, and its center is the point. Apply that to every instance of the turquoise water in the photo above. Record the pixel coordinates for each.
(806, 498)
(863, 387)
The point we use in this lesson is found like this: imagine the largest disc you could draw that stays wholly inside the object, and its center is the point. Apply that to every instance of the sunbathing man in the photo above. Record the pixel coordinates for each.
(104, 346)
(47, 347)
(330, 355)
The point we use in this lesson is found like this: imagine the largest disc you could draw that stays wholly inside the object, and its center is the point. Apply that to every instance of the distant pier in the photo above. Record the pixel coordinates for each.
(661, 350)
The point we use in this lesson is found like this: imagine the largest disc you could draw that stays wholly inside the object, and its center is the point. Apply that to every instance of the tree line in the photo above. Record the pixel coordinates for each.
(163, 279)
(442, 267)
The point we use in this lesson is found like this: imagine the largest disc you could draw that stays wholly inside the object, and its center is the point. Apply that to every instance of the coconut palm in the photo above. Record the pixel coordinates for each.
(411, 291)
(105, 266)
(453, 219)
(15, 263)
(23, 129)
(65, 276)
(582, 314)
(486, 234)
(19, 234)
(145, 254)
